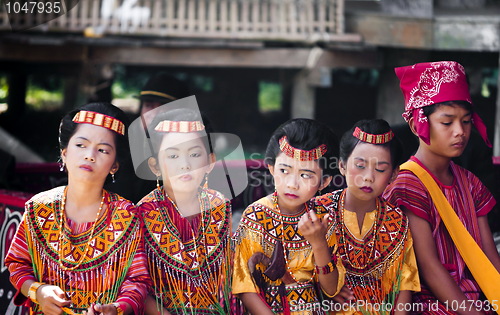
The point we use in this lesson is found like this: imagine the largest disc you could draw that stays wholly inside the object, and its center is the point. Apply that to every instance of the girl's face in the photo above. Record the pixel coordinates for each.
(450, 128)
(91, 154)
(296, 182)
(368, 171)
(183, 161)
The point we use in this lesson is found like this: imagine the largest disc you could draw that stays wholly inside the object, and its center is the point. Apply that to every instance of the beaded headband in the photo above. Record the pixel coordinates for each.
(371, 138)
(179, 126)
(101, 120)
(301, 155)
(165, 95)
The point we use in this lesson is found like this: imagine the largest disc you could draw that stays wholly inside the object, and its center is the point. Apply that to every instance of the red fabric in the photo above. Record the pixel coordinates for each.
(468, 197)
(14, 198)
(428, 83)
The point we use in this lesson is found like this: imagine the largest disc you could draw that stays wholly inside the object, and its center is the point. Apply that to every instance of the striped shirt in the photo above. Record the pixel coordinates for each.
(468, 197)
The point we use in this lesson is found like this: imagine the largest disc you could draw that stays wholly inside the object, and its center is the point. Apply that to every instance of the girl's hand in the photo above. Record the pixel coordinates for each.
(313, 228)
(345, 295)
(51, 299)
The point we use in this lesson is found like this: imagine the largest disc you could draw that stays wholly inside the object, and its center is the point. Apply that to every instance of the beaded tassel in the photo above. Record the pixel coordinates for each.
(176, 284)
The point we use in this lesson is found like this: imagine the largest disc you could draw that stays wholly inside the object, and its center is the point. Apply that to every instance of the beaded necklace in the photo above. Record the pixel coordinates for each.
(204, 206)
(287, 264)
(370, 240)
(62, 233)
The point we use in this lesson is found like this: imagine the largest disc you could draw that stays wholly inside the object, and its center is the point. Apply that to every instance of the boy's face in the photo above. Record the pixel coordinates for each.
(450, 128)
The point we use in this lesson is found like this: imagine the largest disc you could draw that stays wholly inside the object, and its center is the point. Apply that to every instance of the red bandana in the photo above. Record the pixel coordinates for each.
(428, 83)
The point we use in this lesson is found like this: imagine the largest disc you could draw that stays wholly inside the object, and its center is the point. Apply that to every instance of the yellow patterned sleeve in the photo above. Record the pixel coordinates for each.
(332, 242)
(246, 244)
(410, 280)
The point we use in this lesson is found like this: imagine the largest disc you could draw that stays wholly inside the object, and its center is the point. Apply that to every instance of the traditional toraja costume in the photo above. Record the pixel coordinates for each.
(261, 230)
(423, 85)
(379, 259)
(92, 262)
(294, 289)
(189, 257)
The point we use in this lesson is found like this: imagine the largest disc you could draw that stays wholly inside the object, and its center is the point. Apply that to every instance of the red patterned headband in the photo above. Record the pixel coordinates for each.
(101, 120)
(179, 126)
(301, 155)
(371, 138)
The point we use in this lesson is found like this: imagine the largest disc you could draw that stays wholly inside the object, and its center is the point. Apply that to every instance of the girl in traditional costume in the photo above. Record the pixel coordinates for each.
(446, 204)
(187, 225)
(78, 248)
(285, 260)
(374, 240)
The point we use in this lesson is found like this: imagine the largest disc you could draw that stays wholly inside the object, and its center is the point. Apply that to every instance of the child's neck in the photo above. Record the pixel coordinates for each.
(187, 204)
(359, 206)
(290, 211)
(438, 165)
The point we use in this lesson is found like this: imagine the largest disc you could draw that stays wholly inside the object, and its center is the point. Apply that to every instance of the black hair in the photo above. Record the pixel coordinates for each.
(306, 134)
(376, 127)
(428, 110)
(180, 114)
(163, 83)
(68, 127)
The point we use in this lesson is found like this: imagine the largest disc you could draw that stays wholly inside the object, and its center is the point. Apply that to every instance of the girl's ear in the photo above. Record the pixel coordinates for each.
(395, 173)
(325, 181)
(271, 169)
(63, 155)
(153, 166)
(342, 167)
(411, 123)
(211, 159)
(115, 168)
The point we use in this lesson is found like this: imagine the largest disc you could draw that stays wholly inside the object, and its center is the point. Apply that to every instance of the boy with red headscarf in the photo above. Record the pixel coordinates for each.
(446, 204)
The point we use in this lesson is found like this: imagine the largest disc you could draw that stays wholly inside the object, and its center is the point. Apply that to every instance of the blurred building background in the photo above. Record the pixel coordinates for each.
(252, 65)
